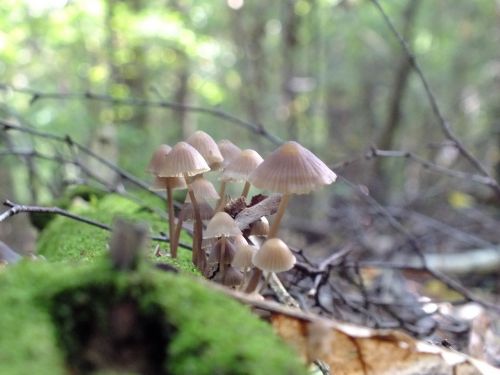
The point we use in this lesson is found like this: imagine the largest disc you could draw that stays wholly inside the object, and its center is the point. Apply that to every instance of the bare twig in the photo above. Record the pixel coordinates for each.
(443, 123)
(15, 209)
(139, 102)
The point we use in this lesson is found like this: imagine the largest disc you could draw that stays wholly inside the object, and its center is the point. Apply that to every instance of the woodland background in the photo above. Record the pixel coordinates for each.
(419, 168)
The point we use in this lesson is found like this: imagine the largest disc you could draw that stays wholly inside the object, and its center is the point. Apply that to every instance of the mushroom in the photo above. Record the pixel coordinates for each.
(241, 167)
(185, 161)
(273, 256)
(260, 227)
(207, 147)
(166, 183)
(222, 226)
(291, 169)
(243, 259)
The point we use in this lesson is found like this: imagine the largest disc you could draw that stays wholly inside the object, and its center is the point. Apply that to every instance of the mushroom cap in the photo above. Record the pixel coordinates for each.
(228, 150)
(243, 256)
(160, 183)
(239, 240)
(156, 161)
(203, 189)
(207, 147)
(292, 169)
(231, 277)
(215, 253)
(260, 227)
(183, 159)
(221, 225)
(206, 211)
(242, 165)
(274, 256)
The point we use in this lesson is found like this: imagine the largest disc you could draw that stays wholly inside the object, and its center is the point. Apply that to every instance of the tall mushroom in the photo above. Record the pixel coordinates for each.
(291, 169)
(166, 183)
(241, 167)
(185, 161)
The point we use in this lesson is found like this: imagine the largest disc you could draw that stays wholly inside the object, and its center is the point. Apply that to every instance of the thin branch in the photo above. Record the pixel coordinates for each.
(444, 124)
(139, 102)
(15, 209)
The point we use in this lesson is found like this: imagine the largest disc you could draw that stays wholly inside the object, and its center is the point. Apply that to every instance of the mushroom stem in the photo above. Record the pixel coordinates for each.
(222, 264)
(222, 192)
(281, 210)
(254, 280)
(266, 281)
(246, 189)
(198, 258)
(178, 227)
(171, 219)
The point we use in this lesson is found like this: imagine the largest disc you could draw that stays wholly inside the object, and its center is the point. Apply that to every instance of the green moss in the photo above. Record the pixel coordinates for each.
(43, 305)
(70, 240)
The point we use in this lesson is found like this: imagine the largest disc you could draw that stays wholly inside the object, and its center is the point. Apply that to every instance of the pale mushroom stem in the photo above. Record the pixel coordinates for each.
(245, 278)
(279, 215)
(222, 192)
(266, 281)
(246, 189)
(178, 227)
(254, 280)
(222, 264)
(171, 220)
(198, 228)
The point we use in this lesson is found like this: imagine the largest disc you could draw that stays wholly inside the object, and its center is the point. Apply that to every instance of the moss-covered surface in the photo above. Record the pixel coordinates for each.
(73, 313)
(73, 241)
(54, 311)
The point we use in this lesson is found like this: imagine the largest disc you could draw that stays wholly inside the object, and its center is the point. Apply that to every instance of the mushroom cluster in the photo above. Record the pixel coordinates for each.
(220, 250)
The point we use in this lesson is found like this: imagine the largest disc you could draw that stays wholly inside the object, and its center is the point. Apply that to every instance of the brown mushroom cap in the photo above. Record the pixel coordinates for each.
(203, 189)
(239, 240)
(274, 256)
(230, 277)
(182, 160)
(215, 253)
(241, 166)
(206, 147)
(221, 225)
(206, 211)
(228, 150)
(292, 169)
(243, 256)
(160, 183)
(260, 227)
(157, 159)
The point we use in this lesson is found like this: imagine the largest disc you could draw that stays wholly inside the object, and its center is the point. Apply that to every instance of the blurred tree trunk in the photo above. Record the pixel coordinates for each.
(250, 38)
(290, 47)
(380, 179)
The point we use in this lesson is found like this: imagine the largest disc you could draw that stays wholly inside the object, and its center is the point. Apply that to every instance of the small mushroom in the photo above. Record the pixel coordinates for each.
(291, 169)
(166, 183)
(222, 226)
(207, 147)
(273, 256)
(241, 167)
(185, 161)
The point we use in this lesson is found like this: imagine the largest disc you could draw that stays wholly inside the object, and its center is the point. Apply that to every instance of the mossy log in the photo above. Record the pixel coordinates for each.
(76, 314)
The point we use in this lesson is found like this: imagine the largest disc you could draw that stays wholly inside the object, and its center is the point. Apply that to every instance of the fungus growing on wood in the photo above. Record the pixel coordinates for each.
(291, 169)
(274, 256)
